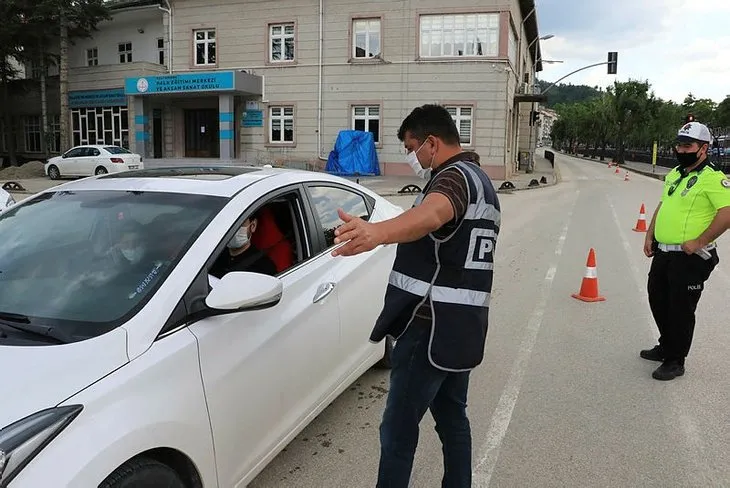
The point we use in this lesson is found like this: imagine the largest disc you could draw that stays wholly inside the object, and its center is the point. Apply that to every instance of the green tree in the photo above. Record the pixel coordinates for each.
(631, 104)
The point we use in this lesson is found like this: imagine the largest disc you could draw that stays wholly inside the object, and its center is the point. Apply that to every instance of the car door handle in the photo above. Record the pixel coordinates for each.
(322, 291)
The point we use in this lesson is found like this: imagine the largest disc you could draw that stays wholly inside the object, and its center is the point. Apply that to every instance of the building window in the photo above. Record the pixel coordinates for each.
(36, 69)
(367, 119)
(512, 48)
(54, 134)
(366, 38)
(205, 47)
(33, 133)
(475, 35)
(100, 125)
(281, 125)
(125, 52)
(161, 51)
(463, 118)
(282, 42)
(92, 57)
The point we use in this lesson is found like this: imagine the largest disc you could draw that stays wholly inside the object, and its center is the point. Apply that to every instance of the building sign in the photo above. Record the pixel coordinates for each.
(182, 83)
(97, 98)
(253, 118)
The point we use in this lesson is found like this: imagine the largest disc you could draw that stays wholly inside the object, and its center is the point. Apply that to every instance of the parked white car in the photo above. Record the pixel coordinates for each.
(6, 199)
(92, 160)
(139, 373)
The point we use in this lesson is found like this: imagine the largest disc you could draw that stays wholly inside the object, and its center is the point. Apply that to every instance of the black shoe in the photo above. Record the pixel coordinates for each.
(654, 354)
(669, 370)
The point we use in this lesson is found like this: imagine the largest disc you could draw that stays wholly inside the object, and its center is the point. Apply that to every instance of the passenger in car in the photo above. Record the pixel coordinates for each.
(242, 255)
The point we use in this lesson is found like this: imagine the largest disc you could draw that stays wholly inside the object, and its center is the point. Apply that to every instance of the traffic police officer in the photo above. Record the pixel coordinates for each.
(437, 299)
(694, 211)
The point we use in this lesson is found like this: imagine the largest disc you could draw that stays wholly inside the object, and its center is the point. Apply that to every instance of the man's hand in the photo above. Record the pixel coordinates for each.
(359, 235)
(691, 247)
(648, 243)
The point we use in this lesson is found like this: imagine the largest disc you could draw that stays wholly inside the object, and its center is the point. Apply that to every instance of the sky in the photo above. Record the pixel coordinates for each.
(679, 46)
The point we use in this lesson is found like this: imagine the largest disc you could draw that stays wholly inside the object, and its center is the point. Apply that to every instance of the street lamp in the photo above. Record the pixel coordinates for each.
(543, 38)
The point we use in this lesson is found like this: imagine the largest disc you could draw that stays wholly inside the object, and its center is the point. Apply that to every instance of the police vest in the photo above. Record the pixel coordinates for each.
(454, 275)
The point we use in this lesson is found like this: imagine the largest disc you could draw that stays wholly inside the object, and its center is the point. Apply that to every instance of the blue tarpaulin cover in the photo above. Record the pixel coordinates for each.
(354, 155)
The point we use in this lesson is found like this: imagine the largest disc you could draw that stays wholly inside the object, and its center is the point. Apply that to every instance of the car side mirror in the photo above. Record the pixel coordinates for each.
(241, 290)
(64, 155)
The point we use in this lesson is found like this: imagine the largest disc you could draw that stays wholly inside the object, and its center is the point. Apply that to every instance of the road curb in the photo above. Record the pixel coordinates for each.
(633, 170)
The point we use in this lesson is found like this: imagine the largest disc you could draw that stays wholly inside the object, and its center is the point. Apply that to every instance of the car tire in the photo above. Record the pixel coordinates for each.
(101, 170)
(387, 361)
(143, 473)
(53, 172)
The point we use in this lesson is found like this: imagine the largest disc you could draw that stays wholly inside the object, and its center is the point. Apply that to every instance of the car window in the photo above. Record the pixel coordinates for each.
(75, 153)
(117, 150)
(328, 199)
(86, 261)
(93, 152)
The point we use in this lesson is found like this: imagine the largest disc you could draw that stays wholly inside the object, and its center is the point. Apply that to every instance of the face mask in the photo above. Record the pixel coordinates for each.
(687, 159)
(133, 254)
(239, 240)
(420, 171)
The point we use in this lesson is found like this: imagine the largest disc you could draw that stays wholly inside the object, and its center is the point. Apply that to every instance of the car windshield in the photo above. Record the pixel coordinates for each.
(117, 150)
(87, 261)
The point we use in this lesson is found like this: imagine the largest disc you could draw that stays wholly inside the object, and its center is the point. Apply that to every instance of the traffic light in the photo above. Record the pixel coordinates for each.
(612, 63)
(690, 118)
(534, 117)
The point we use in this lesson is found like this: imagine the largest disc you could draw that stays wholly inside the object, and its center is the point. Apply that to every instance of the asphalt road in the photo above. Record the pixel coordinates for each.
(562, 398)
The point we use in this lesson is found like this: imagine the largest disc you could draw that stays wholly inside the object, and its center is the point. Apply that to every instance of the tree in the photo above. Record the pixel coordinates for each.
(630, 105)
(70, 19)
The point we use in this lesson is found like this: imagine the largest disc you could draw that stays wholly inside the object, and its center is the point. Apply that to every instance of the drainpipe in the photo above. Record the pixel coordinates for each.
(319, 101)
(168, 11)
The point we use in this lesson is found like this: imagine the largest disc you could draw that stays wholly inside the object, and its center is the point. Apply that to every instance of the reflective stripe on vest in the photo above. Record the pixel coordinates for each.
(442, 294)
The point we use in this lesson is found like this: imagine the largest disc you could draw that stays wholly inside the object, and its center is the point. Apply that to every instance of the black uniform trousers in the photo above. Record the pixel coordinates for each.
(676, 281)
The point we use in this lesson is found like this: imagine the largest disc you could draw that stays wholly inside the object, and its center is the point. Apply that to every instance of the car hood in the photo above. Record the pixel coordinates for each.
(39, 377)
(54, 159)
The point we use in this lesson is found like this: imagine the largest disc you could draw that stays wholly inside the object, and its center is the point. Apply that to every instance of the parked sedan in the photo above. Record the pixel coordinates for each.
(92, 160)
(128, 362)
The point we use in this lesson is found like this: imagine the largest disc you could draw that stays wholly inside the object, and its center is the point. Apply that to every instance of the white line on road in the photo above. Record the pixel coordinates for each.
(489, 452)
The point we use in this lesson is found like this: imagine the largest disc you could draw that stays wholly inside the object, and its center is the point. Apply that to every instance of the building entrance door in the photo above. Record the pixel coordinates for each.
(201, 133)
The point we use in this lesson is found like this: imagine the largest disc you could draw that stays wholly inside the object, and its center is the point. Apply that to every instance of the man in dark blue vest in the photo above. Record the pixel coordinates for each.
(437, 300)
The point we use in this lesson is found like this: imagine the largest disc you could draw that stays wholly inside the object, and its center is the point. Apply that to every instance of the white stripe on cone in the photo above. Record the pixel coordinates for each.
(591, 273)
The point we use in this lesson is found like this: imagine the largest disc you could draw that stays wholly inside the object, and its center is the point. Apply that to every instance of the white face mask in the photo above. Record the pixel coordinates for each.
(239, 240)
(412, 159)
(133, 254)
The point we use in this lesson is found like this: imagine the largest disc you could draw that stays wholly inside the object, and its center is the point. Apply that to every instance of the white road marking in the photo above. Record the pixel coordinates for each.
(489, 451)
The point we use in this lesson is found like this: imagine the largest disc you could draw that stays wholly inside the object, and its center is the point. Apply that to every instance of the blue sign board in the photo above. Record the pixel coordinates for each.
(253, 118)
(182, 83)
(97, 98)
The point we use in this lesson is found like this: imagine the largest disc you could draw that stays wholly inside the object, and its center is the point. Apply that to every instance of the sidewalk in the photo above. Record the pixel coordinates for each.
(646, 169)
(389, 186)
(382, 185)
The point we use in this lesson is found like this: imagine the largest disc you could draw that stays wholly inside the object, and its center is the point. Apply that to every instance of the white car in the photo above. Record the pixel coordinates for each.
(120, 373)
(92, 160)
(6, 199)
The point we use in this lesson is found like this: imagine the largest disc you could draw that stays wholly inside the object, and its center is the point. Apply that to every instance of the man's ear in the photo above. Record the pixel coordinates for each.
(254, 223)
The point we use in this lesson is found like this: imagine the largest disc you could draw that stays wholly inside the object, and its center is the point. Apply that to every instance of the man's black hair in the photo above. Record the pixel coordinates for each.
(430, 120)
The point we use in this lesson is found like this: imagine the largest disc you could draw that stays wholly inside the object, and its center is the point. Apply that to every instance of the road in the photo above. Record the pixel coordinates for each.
(562, 398)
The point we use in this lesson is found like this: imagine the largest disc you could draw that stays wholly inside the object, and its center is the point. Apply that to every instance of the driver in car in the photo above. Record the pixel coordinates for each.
(242, 255)
(137, 265)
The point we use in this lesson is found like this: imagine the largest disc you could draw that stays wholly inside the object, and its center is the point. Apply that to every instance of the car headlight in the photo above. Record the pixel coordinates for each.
(21, 441)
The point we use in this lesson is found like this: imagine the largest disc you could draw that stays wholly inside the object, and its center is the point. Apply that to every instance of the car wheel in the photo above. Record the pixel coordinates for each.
(101, 170)
(387, 361)
(53, 172)
(143, 473)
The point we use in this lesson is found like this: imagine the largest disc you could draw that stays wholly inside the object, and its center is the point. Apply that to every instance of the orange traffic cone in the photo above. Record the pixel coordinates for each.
(589, 286)
(641, 223)
(617, 170)
(626, 178)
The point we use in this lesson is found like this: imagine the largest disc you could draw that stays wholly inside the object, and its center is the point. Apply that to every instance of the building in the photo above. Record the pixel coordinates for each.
(275, 81)
(545, 125)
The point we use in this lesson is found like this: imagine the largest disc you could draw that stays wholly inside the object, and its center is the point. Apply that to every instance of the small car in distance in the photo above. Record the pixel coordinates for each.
(92, 160)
